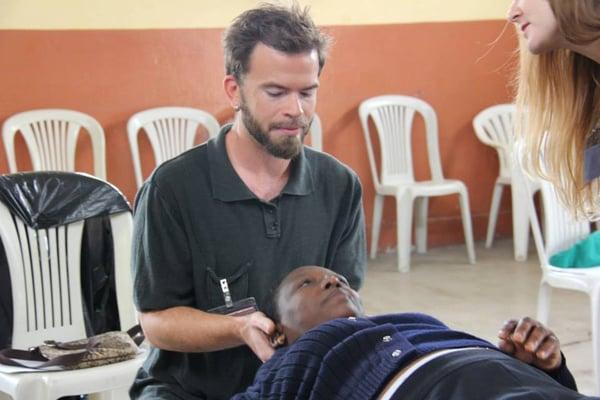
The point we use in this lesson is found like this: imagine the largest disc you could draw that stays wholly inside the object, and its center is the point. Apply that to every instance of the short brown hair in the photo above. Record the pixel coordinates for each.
(287, 29)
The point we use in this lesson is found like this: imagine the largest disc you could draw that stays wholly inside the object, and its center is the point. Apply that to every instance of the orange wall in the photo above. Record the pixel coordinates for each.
(111, 74)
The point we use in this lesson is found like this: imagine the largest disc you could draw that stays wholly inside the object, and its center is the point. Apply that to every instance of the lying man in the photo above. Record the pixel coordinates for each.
(334, 351)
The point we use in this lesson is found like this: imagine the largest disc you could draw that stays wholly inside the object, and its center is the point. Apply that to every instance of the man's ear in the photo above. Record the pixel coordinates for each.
(232, 90)
(278, 338)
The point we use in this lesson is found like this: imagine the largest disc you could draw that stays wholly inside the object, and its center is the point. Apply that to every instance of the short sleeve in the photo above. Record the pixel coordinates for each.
(161, 258)
(350, 258)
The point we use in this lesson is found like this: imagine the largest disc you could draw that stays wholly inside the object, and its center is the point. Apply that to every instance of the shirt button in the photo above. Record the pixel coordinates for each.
(352, 318)
(387, 339)
(396, 353)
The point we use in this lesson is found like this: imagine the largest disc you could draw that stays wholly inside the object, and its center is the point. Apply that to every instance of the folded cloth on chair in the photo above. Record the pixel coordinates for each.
(583, 254)
(103, 349)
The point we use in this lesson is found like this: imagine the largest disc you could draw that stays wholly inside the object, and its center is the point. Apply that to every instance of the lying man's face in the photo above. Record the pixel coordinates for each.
(309, 296)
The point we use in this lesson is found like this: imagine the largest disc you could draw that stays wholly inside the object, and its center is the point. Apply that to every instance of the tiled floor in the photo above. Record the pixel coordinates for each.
(478, 298)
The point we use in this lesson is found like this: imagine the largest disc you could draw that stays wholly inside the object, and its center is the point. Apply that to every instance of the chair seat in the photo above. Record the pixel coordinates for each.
(581, 279)
(55, 384)
(580, 272)
(424, 188)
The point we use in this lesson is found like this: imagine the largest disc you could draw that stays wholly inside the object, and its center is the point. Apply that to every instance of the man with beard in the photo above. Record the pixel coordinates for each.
(226, 220)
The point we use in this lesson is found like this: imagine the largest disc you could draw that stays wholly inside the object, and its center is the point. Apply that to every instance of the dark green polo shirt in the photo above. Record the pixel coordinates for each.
(196, 222)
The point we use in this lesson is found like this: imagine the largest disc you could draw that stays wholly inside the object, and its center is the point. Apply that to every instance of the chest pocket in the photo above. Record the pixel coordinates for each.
(237, 282)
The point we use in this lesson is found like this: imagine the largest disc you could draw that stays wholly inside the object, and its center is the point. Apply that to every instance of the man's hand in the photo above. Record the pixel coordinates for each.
(255, 330)
(531, 342)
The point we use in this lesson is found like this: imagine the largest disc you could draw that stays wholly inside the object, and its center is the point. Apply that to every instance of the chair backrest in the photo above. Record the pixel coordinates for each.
(44, 267)
(316, 133)
(170, 130)
(393, 117)
(561, 228)
(495, 126)
(51, 139)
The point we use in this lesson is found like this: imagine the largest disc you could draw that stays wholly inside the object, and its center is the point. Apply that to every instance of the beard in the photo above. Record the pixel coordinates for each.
(288, 147)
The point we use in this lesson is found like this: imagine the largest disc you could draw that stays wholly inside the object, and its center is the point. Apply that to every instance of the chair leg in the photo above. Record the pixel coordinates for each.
(595, 309)
(467, 225)
(493, 218)
(543, 305)
(404, 215)
(376, 228)
(520, 217)
(421, 224)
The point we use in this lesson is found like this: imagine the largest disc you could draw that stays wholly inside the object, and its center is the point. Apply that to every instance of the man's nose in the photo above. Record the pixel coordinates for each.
(294, 106)
(331, 281)
(514, 11)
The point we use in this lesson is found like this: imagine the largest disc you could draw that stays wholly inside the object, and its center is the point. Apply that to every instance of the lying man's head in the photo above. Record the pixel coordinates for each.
(309, 296)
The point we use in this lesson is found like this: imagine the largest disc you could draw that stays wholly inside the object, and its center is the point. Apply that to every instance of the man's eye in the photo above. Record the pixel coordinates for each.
(307, 94)
(305, 282)
(275, 94)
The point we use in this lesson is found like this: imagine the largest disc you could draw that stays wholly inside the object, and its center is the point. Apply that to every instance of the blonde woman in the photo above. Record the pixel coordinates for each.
(559, 85)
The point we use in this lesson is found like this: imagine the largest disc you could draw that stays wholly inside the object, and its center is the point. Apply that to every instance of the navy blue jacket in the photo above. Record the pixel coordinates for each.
(354, 358)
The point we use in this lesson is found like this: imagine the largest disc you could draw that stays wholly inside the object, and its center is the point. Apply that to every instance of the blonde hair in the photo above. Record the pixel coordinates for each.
(559, 105)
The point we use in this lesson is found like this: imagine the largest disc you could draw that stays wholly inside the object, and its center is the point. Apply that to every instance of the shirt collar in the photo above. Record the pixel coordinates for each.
(591, 160)
(227, 186)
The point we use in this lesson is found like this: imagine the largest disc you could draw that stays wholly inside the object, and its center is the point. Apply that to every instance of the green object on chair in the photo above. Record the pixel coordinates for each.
(583, 254)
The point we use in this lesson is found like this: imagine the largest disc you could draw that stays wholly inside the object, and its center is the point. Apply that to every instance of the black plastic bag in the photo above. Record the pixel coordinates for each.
(47, 199)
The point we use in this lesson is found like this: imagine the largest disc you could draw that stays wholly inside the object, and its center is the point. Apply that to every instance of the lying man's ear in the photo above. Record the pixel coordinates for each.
(278, 339)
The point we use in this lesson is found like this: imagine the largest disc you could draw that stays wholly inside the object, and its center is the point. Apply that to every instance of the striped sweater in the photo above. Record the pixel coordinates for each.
(353, 358)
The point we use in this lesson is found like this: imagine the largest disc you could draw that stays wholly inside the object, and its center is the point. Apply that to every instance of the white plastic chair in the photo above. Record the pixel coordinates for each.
(561, 231)
(393, 117)
(316, 133)
(171, 131)
(495, 126)
(51, 139)
(44, 267)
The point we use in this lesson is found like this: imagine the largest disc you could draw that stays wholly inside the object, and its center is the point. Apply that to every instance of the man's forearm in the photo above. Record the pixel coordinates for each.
(187, 329)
